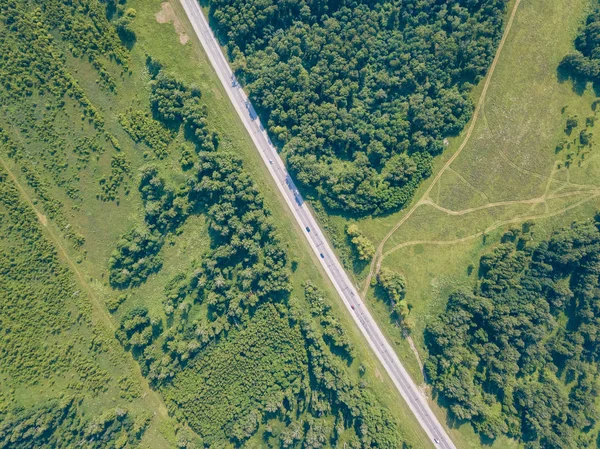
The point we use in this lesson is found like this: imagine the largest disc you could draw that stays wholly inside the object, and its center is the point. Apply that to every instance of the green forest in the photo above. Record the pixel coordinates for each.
(518, 355)
(360, 95)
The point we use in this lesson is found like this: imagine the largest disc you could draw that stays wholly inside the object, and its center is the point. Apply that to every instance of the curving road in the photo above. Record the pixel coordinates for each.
(407, 388)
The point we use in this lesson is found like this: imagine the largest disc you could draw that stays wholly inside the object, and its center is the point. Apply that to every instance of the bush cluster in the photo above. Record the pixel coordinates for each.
(584, 61)
(143, 128)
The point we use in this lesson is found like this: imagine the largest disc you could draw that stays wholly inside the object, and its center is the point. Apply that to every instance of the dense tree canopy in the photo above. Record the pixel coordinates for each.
(519, 355)
(360, 93)
(584, 61)
(135, 258)
(61, 425)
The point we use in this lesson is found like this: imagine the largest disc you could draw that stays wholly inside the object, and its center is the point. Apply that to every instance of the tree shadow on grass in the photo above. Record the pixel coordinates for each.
(128, 38)
(579, 83)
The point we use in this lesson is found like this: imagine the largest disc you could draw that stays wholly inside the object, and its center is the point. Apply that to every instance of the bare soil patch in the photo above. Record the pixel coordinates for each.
(167, 15)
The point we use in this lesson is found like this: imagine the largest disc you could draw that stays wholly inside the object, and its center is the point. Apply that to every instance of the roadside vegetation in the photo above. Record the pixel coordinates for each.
(230, 327)
(137, 237)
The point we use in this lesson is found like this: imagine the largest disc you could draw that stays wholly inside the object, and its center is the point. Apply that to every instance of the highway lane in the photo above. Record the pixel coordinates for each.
(347, 291)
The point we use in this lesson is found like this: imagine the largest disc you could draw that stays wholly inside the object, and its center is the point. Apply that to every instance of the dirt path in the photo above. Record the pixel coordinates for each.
(155, 401)
(533, 201)
(377, 259)
(415, 351)
(496, 225)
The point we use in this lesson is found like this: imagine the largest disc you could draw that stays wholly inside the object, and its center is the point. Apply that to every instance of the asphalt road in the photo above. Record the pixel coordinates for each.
(349, 294)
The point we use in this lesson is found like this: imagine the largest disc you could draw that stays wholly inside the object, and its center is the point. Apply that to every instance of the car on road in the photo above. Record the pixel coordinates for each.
(270, 161)
(251, 111)
(352, 305)
(436, 441)
(322, 256)
(307, 229)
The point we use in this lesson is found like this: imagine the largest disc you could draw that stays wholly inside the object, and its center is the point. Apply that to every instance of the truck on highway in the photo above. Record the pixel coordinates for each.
(251, 111)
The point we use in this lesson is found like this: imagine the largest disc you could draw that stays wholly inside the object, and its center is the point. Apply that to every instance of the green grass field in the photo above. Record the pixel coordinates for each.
(509, 172)
(58, 340)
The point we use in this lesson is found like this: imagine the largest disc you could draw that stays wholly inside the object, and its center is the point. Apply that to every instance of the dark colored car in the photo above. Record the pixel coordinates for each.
(307, 229)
